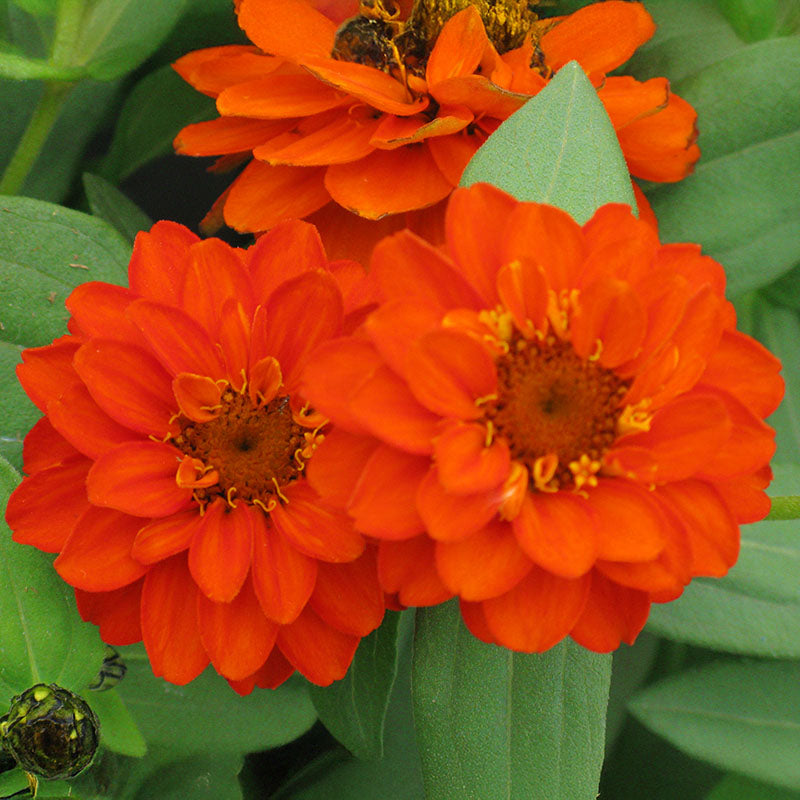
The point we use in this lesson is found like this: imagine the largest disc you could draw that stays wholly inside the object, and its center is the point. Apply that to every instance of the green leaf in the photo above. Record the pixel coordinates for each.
(737, 787)
(110, 204)
(142, 135)
(740, 203)
(120, 34)
(559, 148)
(208, 777)
(207, 715)
(354, 708)
(38, 7)
(19, 414)
(117, 726)
(45, 251)
(492, 723)
(751, 19)
(43, 637)
(12, 781)
(739, 716)
(786, 290)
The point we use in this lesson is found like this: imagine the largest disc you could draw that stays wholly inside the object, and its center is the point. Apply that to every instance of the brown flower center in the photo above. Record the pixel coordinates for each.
(378, 37)
(557, 411)
(255, 451)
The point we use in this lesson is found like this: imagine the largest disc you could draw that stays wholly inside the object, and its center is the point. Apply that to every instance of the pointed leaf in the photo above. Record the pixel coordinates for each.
(110, 204)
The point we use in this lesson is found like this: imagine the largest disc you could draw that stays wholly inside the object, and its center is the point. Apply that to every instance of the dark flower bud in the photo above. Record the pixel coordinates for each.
(50, 731)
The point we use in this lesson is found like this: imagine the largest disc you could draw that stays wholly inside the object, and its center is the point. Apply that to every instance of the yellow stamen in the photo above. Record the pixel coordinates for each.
(635, 418)
(544, 468)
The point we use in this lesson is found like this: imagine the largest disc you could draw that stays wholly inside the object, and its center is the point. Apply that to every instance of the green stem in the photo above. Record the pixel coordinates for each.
(32, 141)
(67, 32)
(785, 508)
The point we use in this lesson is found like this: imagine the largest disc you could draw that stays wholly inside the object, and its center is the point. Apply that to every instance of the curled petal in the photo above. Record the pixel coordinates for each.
(466, 464)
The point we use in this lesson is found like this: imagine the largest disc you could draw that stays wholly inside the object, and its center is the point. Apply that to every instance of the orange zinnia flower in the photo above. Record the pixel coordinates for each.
(559, 424)
(382, 114)
(168, 472)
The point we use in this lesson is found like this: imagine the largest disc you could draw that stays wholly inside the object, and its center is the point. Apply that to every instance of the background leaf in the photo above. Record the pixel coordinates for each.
(737, 787)
(559, 148)
(117, 726)
(110, 204)
(722, 714)
(354, 708)
(19, 414)
(492, 723)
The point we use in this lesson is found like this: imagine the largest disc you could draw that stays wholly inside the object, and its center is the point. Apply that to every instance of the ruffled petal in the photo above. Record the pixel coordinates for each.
(45, 372)
(337, 464)
(321, 653)
(279, 96)
(165, 537)
(169, 622)
(98, 309)
(314, 529)
(348, 597)
(283, 577)
(459, 47)
(213, 69)
(236, 635)
(221, 550)
(97, 555)
(486, 564)
(522, 289)
(466, 464)
(116, 613)
(538, 612)
(745, 496)
(44, 447)
(613, 614)
(138, 478)
(559, 532)
(271, 674)
(408, 569)
(382, 503)
(393, 132)
(44, 508)
(158, 262)
(227, 135)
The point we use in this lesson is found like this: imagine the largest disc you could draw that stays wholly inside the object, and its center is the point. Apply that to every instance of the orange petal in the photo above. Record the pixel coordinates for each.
(82, 423)
(382, 503)
(558, 532)
(47, 371)
(271, 674)
(745, 369)
(376, 88)
(139, 479)
(627, 100)
(301, 313)
(408, 569)
(44, 447)
(97, 555)
(314, 529)
(213, 69)
(394, 132)
(630, 526)
(385, 406)
(480, 95)
(197, 396)
(278, 97)
(450, 517)
(44, 508)
(348, 597)
(745, 495)
(522, 288)
(466, 464)
(538, 612)
(289, 28)
(221, 550)
(453, 152)
(487, 564)
(459, 47)
(613, 614)
(262, 196)
(265, 381)
(159, 260)
(169, 622)
(117, 613)
(407, 267)
(321, 653)
(609, 312)
(339, 137)
(475, 620)
(99, 311)
(236, 635)
(226, 135)
(369, 187)
(165, 537)
(600, 36)
(128, 384)
(336, 465)
(283, 577)
(286, 251)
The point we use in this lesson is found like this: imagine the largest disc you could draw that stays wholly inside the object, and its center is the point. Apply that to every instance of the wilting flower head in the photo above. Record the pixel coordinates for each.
(381, 113)
(559, 424)
(169, 470)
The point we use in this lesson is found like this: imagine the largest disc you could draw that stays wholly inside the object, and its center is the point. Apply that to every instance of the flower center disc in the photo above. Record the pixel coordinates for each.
(552, 402)
(252, 449)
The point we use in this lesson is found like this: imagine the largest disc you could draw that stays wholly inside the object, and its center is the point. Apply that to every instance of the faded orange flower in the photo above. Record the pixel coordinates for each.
(168, 472)
(559, 424)
(380, 114)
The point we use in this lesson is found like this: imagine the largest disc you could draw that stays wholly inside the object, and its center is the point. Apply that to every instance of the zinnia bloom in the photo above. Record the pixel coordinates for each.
(379, 115)
(169, 470)
(559, 424)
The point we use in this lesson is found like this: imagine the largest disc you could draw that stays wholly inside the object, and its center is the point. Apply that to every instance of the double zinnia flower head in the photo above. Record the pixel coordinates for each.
(559, 424)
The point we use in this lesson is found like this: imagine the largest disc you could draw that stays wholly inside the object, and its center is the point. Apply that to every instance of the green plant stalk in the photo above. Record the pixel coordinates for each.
(785, 508)
(67, 31)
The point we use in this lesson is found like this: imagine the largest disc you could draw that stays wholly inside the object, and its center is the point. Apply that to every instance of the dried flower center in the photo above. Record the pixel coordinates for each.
(558, 412)
(255, 451)
(378, 37)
